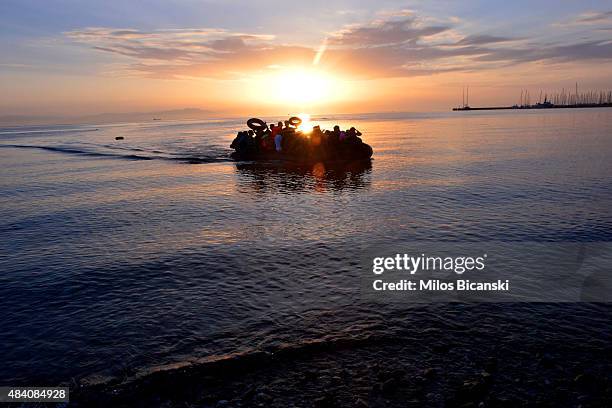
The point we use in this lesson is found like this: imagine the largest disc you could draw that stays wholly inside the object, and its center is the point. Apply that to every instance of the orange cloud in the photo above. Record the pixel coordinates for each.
(398, 45)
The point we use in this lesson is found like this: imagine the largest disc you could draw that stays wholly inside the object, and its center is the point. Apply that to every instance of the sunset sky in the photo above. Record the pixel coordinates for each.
(257, 57)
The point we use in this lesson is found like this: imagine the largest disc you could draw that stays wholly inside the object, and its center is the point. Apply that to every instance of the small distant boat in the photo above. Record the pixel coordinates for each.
(544, 105)
(156, 118)
(119, 138)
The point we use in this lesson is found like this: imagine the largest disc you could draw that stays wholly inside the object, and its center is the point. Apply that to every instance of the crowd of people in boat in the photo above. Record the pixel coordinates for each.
(285, 137)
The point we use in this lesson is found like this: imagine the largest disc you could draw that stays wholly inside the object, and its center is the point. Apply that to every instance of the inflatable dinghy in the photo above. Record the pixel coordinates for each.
(294, 145)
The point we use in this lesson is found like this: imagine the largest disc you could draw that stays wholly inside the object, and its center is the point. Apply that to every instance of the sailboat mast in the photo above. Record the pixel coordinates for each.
(576, 101)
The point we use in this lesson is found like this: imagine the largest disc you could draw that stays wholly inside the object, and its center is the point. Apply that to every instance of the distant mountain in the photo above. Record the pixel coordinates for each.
(177, 114)
(10, 120)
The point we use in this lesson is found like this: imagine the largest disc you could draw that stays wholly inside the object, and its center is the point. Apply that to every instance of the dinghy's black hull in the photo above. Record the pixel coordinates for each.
(345, 153)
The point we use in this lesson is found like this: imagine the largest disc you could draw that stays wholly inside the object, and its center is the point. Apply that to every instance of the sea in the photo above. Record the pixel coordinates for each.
(119, 257)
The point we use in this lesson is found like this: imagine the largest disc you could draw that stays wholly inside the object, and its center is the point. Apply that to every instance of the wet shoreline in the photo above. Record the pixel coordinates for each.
(518, 363)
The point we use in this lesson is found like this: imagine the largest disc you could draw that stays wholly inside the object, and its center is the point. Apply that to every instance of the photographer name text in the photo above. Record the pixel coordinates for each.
(422, 263)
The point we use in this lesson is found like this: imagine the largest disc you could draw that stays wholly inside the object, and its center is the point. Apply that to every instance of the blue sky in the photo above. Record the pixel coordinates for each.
(69, 44)
(30, 18)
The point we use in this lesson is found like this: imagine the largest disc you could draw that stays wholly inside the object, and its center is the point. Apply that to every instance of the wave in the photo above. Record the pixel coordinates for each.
(214, 158)
(38, 132)
(193, 368)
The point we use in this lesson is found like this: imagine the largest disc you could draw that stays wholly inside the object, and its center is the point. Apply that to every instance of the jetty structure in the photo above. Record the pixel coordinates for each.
(558, 100)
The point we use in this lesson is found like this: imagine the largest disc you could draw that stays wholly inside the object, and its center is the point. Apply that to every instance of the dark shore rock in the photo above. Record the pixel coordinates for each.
(311, 375)
(359, 403)
(429, 373)
(389, 386)
(491, 365)
(326, 401)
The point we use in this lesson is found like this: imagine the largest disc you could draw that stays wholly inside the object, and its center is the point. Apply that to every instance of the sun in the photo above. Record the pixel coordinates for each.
(301, 86)
(297, 88)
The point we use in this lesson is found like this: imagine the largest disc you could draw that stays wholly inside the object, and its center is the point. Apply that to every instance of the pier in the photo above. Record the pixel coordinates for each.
(597, 105)
(560, 100)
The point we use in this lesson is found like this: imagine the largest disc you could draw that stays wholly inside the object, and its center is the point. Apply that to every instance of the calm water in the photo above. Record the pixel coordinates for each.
(121, 255)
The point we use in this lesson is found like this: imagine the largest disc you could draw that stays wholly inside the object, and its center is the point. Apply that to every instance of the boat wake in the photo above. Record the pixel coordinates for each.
(136, 154)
